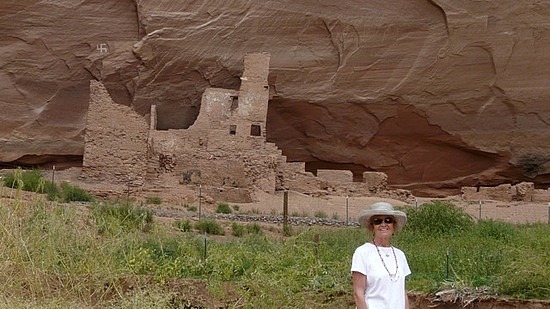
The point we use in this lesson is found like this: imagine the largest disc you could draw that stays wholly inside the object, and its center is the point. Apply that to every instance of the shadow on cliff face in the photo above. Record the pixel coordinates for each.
(396, 139)
(44, 162)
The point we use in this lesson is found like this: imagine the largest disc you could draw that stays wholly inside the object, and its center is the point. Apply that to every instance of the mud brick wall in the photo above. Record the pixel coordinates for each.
(115, 140)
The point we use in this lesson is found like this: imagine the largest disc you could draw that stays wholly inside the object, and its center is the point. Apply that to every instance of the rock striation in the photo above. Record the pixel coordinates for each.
(437, 94)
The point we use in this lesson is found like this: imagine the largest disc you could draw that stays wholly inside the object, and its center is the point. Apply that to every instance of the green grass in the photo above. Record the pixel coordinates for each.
(70, 193)
(55, 255)
(114, 219)
(223, 208)
(34, 181)
(155, 200)
(209, 226)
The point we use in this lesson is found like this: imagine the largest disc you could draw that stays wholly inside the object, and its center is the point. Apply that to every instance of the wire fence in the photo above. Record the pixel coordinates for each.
(347, 208)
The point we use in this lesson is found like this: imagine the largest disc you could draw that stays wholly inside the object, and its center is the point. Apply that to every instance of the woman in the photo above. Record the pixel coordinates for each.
(378, 270)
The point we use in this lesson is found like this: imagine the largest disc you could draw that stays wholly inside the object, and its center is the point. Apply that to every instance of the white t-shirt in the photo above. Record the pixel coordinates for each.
(381, 291)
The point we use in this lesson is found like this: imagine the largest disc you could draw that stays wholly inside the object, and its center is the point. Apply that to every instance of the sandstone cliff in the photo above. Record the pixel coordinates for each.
(437, 94)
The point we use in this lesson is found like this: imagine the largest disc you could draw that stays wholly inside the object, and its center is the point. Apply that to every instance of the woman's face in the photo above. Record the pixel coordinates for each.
(383, 225)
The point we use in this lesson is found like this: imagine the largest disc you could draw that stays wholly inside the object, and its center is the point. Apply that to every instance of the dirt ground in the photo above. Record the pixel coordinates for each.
(337, 207)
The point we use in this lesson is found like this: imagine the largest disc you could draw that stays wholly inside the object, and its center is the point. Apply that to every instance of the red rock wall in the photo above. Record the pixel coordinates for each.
(436, 94)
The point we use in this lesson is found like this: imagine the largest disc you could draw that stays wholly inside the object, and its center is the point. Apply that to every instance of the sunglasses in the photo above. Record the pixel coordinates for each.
(378, 221)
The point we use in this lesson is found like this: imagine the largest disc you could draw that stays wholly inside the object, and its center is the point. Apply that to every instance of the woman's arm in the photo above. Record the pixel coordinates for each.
(406, 300)
(359, 286)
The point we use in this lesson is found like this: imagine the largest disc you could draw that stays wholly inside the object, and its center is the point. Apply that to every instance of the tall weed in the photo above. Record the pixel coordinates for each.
(70, 193)
(209, 226)
(113, 219)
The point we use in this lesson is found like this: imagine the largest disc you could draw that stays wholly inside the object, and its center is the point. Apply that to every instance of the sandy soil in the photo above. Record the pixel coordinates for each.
(337, 207)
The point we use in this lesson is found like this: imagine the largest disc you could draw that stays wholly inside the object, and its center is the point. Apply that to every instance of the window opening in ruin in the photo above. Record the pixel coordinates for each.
(234, 103)
(255, 130)
(233, 129)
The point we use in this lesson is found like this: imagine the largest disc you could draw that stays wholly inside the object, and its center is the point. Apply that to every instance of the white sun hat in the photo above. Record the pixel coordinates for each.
(382, 209)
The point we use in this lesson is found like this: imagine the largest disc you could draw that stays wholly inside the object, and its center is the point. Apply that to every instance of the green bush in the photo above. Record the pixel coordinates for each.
(240, 230)
(438, 219)
(237, 229)
(52, 190)
(183, 225)
(31, 180)
(209, 226)
(496, 230)
(153, 200)
(115, 219)
(223, 209)
(70, 193)
(254, 228)
(320, 214)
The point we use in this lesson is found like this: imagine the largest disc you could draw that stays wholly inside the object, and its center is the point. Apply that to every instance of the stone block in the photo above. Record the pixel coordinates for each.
(335, 176)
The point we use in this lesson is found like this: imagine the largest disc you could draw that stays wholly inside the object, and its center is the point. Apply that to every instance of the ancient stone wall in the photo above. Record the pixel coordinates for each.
(115, 141)
(524, 191)
(342, 176)
(376, 181)
(224, 151)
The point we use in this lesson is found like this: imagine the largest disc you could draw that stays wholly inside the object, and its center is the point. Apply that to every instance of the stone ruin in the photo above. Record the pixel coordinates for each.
(225, 151)
(524, 191)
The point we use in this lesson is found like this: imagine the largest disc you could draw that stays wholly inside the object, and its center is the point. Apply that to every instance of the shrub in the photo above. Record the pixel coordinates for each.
(223, 209)
(438, 219)
(238, 229)
(153, 200)
(496, 230)
(209, 226)
(254, 228)
(71, 193)
(183, 225)
(113, 219)
(52, 191)
(287, 230)
(320, 214)
(32, 181)
(25, 180)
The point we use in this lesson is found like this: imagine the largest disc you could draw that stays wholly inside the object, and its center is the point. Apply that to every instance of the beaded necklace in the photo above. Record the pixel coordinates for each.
(393, 277)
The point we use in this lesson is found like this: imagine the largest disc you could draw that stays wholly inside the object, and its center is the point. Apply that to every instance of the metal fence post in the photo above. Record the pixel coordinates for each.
(200, 201)
(479, 214)
(285, 210)
(347, 207)
(447, 253)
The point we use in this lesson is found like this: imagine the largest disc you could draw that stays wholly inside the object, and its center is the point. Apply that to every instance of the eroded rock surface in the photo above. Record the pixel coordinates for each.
(436, 94)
